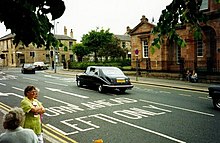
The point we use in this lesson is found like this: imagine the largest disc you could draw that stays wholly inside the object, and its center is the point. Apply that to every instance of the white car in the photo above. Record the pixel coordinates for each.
(40, 65)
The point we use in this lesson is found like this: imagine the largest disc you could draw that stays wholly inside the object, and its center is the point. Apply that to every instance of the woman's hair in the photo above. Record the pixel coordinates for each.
(14, 118)
(29, 88)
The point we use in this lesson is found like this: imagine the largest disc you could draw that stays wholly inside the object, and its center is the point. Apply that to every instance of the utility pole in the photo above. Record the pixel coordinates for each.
(55, 58)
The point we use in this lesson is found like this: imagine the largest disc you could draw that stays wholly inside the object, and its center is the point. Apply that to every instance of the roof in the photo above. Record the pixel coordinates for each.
(59, 37)
(64, 37)
(144, 20)
(123, 37)
(8, 36)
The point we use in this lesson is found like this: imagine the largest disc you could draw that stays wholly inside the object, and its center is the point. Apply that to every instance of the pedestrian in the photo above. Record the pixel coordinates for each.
(194, 77)
(33, 109)
(188, 75)
(36, 97)
(12, 122)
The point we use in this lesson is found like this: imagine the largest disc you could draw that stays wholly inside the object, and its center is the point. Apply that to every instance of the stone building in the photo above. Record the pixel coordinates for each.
(125, 43)
(14, 56)
(202, 55)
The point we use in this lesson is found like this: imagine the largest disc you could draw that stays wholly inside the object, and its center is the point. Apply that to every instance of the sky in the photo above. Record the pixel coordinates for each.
(82, 16)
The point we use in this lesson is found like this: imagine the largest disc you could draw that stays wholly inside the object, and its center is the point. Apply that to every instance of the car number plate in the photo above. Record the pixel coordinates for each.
(120, 80)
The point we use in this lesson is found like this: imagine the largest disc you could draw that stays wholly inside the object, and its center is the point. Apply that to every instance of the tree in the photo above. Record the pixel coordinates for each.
(96, 40)
(112, 49)
(80, 50)
(178, 13)
(28, 20)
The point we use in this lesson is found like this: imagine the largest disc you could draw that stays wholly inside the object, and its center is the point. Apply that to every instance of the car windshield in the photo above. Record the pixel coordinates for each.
(112, 71)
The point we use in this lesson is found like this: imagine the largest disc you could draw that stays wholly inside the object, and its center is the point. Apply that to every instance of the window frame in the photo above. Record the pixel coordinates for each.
(145, 48)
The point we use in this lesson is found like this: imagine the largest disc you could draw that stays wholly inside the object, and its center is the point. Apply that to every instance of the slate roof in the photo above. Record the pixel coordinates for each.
(123, 37)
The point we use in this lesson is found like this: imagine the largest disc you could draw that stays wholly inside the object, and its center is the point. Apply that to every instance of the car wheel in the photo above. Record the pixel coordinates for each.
(78, 83)
(216, 103)
(100, 88)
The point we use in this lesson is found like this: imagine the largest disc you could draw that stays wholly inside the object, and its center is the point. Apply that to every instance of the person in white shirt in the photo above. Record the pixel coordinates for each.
(14, 133)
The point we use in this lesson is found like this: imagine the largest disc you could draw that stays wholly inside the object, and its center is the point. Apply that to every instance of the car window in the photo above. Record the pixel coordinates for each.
(112, 71)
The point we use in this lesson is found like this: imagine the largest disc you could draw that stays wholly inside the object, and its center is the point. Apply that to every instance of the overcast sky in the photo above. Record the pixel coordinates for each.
(85, 15)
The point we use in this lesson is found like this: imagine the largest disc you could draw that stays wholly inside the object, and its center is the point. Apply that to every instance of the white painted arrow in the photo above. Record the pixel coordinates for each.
(14, 94)
(73, 94)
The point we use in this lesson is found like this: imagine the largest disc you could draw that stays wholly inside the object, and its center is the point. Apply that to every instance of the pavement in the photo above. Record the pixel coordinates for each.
(179, 84)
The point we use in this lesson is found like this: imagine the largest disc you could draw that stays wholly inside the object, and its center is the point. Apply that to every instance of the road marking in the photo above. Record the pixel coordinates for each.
(57, 100)
(165, 92)
(56, 83)
(18, 88)
(5, 108)
(179, 108)
(142, 128)
(206, 98)
(30, 79)
(185, 95)
(159, 86)
(3, 94)
(73, 94)
(2, 84)
(7, 94)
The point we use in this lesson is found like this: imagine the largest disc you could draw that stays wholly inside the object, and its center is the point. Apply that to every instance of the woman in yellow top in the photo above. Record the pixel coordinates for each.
(33, 109)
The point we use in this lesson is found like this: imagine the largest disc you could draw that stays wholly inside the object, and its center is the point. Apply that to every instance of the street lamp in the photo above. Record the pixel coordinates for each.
(55, 49)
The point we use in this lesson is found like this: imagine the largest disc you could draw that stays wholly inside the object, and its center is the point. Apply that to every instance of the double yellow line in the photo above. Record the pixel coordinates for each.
(59, 137)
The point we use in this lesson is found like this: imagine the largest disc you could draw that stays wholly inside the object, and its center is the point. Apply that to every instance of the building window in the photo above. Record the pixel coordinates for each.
(204, 5)
(178, 54)
(70, 45)
(123, 44)
(199, 48)
(145, 48)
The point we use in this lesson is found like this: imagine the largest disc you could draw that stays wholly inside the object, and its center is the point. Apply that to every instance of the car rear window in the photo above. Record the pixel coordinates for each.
(112, 71)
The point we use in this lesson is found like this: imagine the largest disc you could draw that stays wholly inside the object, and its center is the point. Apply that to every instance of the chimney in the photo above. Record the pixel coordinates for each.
(143, 19)
(65, 30)
(71, 33)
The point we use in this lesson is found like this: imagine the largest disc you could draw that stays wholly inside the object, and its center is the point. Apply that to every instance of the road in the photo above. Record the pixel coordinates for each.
(144, 114)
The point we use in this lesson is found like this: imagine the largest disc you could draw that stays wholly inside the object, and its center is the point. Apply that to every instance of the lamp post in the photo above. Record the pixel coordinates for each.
(55, 49)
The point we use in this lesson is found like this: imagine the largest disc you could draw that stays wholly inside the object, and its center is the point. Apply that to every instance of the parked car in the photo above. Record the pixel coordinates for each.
(104, 78)
(214, 93)
(27, 68)
(40, 66)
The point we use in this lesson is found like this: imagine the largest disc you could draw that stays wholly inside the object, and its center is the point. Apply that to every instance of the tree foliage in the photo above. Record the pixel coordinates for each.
(179, 13)
(28, 19)
(96, 40)
(80, 50)
(112, 49)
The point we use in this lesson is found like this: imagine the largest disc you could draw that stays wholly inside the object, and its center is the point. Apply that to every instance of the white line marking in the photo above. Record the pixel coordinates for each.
(204, 98)
(69, 93)
(55, 83)
(30, 79)
(165, 92)
(144, 129)
(2, 84)
(18, 88)
(179, 108)
(185, 95)
(60, 101)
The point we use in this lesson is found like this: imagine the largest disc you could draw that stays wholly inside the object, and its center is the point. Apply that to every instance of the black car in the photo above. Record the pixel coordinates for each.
(28, 68)
(104, 78)
(214, 93)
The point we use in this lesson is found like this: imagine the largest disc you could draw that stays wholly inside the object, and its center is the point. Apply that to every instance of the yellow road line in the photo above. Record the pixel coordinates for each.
(60, 134)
